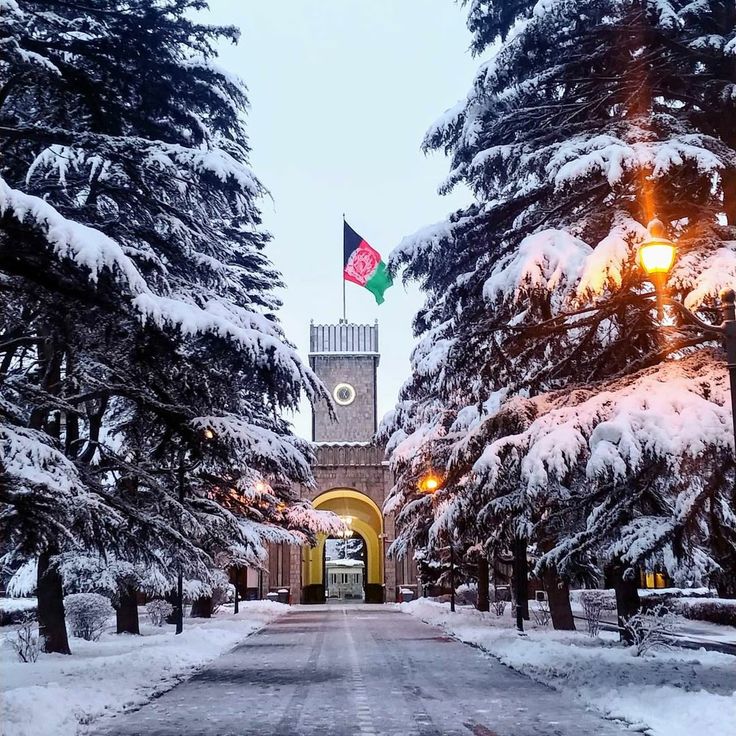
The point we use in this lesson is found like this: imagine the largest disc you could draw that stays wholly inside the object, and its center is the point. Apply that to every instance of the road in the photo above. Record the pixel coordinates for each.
(358, 671)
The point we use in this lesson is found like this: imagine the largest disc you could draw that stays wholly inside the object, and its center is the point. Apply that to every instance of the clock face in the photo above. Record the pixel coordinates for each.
(344, 394)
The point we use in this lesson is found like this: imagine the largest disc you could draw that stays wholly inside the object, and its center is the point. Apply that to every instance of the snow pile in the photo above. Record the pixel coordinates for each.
(57, 694)
(672, 693)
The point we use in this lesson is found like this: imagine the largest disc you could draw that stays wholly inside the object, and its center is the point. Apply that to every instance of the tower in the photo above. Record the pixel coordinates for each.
(345, 357)
(351, 475)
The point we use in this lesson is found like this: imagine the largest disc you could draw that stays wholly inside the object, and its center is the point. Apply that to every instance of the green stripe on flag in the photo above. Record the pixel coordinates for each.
(379, 281)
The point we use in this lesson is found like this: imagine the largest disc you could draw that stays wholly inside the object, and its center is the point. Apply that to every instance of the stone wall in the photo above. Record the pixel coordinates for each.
(357, 421)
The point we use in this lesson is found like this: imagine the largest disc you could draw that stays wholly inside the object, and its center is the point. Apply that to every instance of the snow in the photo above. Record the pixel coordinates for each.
(551, 259)
(668, 693)
(662, 413)
(614, 158)
(84, 245)
(58, 695)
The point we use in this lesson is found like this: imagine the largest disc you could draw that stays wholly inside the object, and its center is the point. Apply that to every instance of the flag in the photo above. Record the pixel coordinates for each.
(363, 265)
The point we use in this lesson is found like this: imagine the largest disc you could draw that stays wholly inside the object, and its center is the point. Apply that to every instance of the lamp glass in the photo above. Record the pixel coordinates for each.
(429, 484)
(657, 256)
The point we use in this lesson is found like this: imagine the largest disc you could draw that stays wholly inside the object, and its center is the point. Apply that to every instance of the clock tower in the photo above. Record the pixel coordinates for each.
(345, 358)
(352, 477)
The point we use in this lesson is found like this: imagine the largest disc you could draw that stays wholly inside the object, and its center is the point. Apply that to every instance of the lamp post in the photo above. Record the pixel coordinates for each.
(656, 256)
(181, 471)
(429, 484)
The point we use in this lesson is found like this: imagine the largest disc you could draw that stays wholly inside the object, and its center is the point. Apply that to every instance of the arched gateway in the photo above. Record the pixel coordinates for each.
(352, 478)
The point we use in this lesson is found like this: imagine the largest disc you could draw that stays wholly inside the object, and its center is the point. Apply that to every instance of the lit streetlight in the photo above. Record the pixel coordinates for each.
(430, 483)
(656, 257)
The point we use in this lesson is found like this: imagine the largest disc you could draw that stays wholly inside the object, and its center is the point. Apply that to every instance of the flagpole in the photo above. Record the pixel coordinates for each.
(344, 307)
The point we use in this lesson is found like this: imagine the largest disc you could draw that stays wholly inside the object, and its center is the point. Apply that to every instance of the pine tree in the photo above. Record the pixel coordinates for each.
(562, 412)
(140, 352)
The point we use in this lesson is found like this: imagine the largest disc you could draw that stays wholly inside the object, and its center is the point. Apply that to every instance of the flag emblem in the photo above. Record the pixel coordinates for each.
(363, 265)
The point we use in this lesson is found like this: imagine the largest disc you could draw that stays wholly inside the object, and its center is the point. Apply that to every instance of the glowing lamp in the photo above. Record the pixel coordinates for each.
(208, 434)
(657, 252)
(430, 483)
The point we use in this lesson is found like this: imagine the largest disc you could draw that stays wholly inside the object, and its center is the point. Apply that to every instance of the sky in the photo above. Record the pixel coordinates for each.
(342, 92)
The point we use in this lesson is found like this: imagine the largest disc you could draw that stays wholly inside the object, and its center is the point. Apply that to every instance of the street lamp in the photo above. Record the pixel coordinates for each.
(430, 483)
(181, 472)
(656, 256)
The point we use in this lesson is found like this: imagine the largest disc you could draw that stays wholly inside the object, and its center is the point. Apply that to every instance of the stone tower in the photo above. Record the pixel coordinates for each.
(345, 357)
(351, 475)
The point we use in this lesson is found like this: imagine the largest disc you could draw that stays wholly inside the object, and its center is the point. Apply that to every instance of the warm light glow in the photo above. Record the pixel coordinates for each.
(657, 252)
(346, 531)
(262, 487)
(208, 434)
(429, 483)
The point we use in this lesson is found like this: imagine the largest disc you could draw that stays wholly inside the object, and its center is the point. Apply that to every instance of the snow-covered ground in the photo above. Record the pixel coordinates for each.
(668, 693)
(58, 694)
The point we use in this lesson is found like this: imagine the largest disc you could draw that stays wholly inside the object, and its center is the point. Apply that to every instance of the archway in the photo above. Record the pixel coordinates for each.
(367, 521)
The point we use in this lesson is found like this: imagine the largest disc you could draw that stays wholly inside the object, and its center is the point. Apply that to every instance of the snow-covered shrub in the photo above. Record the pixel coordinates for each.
(158, 611)
(87, 614)
(11, 616)
(466, 594)
(25, 640)
(222, 595)
(649, 629)
(498, 607)
(594, 602)
(540, 611)
(717, 612)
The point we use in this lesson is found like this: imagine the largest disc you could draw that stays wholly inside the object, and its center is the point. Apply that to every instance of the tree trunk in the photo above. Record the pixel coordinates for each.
(558, 594)
(202, 607)
(627, 596)
(171, 597)
(483, 602)
(126, 612)
(521, 577)
(51, 623)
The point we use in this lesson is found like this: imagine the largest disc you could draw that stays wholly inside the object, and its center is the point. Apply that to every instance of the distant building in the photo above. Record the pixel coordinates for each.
(344, 579)
(352, 477)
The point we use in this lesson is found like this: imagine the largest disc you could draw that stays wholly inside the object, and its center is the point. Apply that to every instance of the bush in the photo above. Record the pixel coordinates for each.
(158, 611)
(220, 596)
(466, 595)
(652, 628)
(87, 614)
(16, 615)
(25, 643)
(540, 611)
(498, 607)
(594, 602)
(716, 612)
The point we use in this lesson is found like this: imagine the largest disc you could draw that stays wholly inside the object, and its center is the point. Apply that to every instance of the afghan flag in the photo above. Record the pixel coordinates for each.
(363, 265)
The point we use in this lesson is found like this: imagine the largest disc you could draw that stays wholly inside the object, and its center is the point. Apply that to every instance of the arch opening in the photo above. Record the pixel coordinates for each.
(366, 521)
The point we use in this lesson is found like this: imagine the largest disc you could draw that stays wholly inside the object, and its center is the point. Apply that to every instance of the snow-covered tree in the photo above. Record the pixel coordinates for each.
(560, 409)
(140, 356)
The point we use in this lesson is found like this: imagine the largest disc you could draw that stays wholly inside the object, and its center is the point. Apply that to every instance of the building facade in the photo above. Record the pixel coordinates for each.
(352, 478)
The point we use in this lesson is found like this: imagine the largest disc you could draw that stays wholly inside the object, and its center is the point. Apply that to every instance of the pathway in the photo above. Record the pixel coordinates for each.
(358, 671)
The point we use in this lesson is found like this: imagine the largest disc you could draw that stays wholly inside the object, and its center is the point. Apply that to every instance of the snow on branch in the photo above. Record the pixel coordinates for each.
(703, 274)
(32, 461)
(87, 247)
(550, 260)
(95, 252)
(673, 413)
(614, 157)
(258, 446)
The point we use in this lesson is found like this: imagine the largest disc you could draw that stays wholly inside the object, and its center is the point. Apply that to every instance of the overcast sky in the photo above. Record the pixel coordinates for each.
(342, 92)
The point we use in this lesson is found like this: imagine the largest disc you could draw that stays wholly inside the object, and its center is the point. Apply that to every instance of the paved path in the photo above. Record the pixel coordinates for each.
(358, 671)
